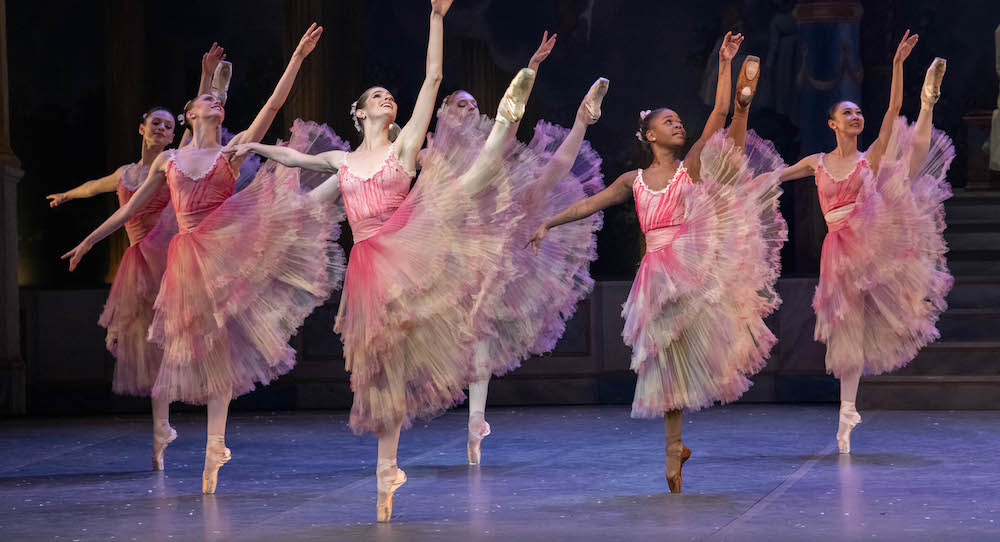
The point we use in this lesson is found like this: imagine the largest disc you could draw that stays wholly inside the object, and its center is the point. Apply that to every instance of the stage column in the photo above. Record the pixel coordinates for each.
(12, 371)
(306, 97)
(830, 70)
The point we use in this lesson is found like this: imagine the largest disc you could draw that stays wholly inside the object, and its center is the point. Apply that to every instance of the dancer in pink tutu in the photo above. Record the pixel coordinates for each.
(419, 256)
(529, 314)
(883, 276)
(694, 317)
(242, 273)
(129, 309)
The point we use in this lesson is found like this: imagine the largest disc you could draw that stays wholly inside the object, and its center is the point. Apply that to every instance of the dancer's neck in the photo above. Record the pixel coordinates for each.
(847, 146)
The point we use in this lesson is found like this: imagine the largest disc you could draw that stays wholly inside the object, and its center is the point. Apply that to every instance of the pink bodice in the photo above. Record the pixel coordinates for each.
(142, 222)
(660, 208)
(370, 202)
(836, 193)
(195, 197)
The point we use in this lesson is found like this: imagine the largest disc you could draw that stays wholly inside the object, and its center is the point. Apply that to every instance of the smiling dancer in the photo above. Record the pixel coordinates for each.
(694, 316)
(243, 272)
(883, 276)
(529, 314)
(128, 311)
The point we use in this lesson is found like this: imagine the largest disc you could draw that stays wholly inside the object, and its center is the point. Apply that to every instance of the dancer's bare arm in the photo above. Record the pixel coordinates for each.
(723, 91)
(878, 148)
(157, 176)
(89, 189)
(619, 192)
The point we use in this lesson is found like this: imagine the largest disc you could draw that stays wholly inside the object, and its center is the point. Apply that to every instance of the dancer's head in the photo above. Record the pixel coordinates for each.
(845, 118)
(459, 102)
(661, 130)
(204, 112)
(157, 127)
(375, 111)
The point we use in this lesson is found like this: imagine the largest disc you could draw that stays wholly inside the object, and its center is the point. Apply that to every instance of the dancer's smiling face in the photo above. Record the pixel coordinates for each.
(206, 107)
(377, 104)
(157, 129)
(846, 118)
(461, 102)
(665, 128)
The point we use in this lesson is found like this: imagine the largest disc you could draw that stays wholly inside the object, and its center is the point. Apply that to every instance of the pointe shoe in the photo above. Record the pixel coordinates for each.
(677, 455)
(931, 91)
(849, 417)
(220, 80)
(590, 109)
(511, 107)
(746, 85)
(216, 455)
(389, 477)
(160, 441)
(478, 430)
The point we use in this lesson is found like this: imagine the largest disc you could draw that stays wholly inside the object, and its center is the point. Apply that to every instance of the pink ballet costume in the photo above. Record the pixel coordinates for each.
(524, 303)
(883, 275)
(242, 274)
(128, 311)
(694, 315)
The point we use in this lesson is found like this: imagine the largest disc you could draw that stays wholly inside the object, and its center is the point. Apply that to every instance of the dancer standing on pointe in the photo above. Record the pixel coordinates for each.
(883, 276)
(419, 255)
(129, 308)
(694, 315)
(242, 274)
(529, 315)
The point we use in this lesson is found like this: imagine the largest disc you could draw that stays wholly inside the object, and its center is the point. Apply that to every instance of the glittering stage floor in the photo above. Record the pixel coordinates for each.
(588, 473)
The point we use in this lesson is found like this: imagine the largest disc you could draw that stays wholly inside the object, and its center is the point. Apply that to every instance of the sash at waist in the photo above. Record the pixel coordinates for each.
(367, 227)
(837, 218)
(661, 237)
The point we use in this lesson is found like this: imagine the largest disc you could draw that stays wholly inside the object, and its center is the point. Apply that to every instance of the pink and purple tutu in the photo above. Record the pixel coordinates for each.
(694, 315)
(883, 274)
(128, 311)
(524, 303)
(241, 276)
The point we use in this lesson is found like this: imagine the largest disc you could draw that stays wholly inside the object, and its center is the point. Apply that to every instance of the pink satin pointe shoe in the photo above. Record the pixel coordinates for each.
(389, 477)
(478, 429)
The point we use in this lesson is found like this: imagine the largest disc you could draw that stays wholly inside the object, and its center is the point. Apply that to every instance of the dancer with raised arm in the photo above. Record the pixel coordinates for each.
(694, 316)
(243, 272)
(419, 256)
(529, 314)
(883, 276)
(128, 311)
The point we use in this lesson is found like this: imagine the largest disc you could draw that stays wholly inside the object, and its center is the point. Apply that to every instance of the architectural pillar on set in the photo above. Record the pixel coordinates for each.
(830, 70)
(12, 370)
(124, 51)
(995, 131)
(306, 99)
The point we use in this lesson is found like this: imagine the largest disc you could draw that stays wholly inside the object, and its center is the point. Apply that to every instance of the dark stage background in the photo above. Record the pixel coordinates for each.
(81, 73)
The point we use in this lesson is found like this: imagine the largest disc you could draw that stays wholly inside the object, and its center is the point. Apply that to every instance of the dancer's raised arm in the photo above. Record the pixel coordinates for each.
(717, 118)
(903, 51)
(266, 116)
(619, 192)
(411, 137)
(209, 61)
(157, 176)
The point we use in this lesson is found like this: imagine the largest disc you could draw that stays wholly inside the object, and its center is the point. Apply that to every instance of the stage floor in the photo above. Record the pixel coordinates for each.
(584, 473)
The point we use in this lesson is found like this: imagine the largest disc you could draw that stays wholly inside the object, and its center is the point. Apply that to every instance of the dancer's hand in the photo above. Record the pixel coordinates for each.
(440, 7)
(232, 152)
(76, 254)
(308, 41)
(905, 47)
(56, 200)
(211, 59)
(544, 50)
(730, 46)
(536, 240)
